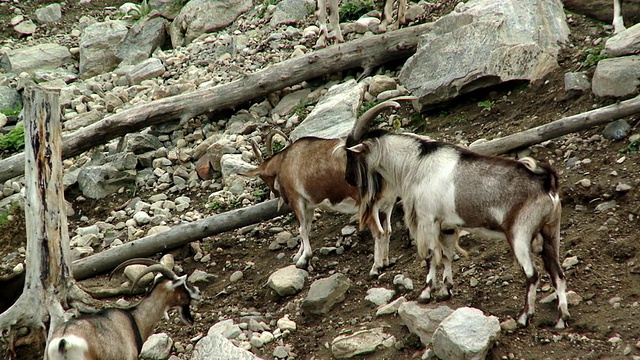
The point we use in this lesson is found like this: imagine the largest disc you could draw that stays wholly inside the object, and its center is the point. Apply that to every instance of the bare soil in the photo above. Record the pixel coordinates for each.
(606, 243)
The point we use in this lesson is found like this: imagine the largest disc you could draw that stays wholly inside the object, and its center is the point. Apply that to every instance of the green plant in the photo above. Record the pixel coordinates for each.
(593, 56)
(633, 146)
(259, 194)
(366, 106)
(487, 105)
(277, 146)
(4, 218)
(218, 206)
(13, 140)
(354, 9)
(12, 111)
(140, 10)
(301, 109)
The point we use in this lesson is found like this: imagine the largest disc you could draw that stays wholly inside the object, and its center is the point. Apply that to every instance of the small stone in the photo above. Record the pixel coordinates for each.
(584, 183)
(623, 187)
(509, 325)
(236, 276)
(570, 261)
(348, 230)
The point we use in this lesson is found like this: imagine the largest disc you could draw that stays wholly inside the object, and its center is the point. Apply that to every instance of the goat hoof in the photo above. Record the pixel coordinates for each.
(425, 297)
(443, 295)
(523, 320)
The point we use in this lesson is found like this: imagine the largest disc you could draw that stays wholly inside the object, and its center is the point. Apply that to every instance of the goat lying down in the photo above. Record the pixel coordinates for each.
(309, 173)
(444, 187)
(118, 334)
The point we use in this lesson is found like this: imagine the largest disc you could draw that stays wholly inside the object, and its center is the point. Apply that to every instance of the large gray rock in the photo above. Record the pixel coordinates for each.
(97, 182)
(421, 320)
(198, 17)
(358, 343)
(142, 39)
(291, 11)
(49, 14)
(29, 59)
(484, 43)
(624, 43)
(9, 99)
(217, 347)
(335, 113)
(99, 45)
(466, 334)
(325, 293)
(169, 9)
(617, 77)
(602, 9)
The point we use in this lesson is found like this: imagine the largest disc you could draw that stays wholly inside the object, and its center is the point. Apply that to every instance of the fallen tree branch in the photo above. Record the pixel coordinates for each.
(559, 127)
(365, 52)
(175, 237)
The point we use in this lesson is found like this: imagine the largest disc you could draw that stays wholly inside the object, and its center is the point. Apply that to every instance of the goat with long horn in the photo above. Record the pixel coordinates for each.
(118, 334)
(444, 187)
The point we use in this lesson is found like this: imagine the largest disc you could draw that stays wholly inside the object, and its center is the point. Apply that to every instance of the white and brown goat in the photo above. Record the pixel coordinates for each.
(444, 187)
(333, 7)
(118, 334)
(309, 173)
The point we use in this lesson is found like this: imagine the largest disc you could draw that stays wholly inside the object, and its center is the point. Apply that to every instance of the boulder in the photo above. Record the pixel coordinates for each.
(144, 37)
(99, 45)
(198, 17)
(617, 77)
(466, 334)
(624, 43)
(38, 57)
(484, 43)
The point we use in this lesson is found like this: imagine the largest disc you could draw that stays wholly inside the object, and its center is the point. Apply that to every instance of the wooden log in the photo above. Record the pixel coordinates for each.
(176, 237)
(564, 126)
(365, 52)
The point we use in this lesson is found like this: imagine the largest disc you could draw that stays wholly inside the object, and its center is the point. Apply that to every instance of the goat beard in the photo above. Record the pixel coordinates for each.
(185, 315)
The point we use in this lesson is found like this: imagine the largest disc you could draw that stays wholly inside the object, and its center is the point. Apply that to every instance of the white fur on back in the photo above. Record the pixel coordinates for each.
(76, 348)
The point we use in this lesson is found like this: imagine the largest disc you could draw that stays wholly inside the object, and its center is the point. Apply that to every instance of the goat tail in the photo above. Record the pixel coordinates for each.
(67, 348)
(551, 182)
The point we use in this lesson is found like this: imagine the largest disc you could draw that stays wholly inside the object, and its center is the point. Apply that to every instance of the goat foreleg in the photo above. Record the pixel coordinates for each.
(305, 216)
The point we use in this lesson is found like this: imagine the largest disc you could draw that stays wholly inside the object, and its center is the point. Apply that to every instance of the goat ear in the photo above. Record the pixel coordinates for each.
(179, 281)
(357, 149)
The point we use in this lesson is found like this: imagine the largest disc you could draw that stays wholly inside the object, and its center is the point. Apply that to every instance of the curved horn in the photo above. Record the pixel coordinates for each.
(269, 140)
(143, 261)
(256, 151)
(165, 271)
(363, 121)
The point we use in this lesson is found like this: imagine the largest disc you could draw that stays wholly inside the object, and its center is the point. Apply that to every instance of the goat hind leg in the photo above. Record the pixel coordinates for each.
(521, 244)
(426, 241)
(449, 241)
(551, 260)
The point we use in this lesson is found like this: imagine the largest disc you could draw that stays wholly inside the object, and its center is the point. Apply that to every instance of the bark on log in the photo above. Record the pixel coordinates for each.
(366, 52)
(175, 237)
(559, 127)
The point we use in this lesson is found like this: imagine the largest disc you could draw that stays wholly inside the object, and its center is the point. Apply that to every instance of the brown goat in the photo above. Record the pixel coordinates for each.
(310, 173)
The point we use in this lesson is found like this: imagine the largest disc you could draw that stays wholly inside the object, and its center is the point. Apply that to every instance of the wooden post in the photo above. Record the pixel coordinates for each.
(47, 260)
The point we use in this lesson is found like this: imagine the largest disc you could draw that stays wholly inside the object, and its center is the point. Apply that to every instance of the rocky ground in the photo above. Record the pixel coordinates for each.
(599, 229)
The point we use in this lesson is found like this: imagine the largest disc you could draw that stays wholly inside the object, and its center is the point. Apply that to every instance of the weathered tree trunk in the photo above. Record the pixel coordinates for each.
(175, 237)
(365, 52)
(47, 273)
(559, 127)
